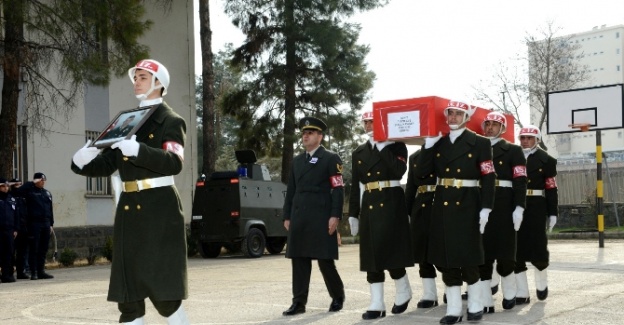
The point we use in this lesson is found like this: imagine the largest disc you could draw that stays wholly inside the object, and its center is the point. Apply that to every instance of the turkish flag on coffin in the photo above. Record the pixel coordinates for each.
(411, 120)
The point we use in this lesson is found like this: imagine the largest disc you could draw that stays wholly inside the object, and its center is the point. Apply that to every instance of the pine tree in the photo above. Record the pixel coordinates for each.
(300, 58)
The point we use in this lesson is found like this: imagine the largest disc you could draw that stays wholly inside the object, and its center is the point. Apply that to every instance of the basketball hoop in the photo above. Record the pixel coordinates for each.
(583, 126)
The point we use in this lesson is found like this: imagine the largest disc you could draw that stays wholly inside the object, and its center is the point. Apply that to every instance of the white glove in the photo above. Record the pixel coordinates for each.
(517, 217)
(85, 154)
(129, 148)
(484, 215)
(381, 145)
(429, 142)
(354, 223)
(552, 223)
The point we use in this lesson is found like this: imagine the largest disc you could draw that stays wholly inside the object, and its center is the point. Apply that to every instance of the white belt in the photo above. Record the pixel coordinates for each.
(535, 193)
(379, 185)
(503, 183)
(145, 184)
(426, 188)
(458, 182)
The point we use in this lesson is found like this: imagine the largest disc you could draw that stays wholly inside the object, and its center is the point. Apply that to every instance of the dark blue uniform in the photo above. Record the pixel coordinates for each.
(8, 224)
(21, 240)
(40, 220)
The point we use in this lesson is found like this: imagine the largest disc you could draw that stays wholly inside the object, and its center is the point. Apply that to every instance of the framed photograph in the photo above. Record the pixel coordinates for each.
(123, 126)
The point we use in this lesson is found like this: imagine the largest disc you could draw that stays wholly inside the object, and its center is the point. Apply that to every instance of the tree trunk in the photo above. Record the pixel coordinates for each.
(290, 91)
(14, 35)
(208, 118)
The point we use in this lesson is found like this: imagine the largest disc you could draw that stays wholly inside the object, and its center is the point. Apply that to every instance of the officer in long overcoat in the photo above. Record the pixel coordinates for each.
(419, 200)
(464, 196)
(312, 211)
(149, 241)
(377, 206)
(542, 204)
(499, 238)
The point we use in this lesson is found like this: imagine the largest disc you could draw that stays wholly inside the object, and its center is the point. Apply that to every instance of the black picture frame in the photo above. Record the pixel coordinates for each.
(123, 126)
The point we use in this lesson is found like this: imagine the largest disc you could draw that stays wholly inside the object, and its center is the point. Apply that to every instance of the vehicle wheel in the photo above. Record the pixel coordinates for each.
(275, 245)
(254, 243)
(209, 250)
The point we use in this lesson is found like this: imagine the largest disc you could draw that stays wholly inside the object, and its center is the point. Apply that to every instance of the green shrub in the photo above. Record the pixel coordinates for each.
(68, 257)
(107, 251)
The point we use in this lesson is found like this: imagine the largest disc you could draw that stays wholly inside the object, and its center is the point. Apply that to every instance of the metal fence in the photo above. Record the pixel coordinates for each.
(577, 183)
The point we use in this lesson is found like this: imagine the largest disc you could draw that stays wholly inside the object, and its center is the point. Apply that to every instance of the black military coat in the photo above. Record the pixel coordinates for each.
(385, 239)
(313, 195)
(149, 240)
(419, 205)
(455, 240)
(532, 239)
(499, 239)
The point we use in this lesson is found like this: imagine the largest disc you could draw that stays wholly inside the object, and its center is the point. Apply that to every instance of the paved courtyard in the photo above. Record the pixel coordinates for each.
(586, 286)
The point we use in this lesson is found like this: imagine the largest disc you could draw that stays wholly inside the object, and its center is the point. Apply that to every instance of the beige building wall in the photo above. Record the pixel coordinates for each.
(171, 42)
(602, 50)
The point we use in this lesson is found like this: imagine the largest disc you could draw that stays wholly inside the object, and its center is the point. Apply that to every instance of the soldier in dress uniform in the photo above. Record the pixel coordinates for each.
(312, 211)
(499, 238)
(462, 161)
(542, 204)
(377, 211)
(419, 200)
(149, 240)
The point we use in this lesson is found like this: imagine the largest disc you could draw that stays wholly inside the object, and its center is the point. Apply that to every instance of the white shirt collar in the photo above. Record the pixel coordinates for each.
(150, 102)
(455, 133)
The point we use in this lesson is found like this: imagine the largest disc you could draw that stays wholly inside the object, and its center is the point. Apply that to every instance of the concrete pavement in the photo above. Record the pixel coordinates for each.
(586, 286)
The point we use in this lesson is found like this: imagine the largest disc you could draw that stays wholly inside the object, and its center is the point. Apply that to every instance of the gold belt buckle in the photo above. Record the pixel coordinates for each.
(133, 186)
(130, 186)
(458, 183)
(373, 186)
(529, 192)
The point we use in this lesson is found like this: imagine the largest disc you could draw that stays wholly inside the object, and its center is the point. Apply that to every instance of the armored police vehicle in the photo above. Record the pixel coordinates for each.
(239, 210)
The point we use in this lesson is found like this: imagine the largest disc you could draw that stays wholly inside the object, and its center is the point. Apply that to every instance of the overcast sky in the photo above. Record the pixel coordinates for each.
(444, 47)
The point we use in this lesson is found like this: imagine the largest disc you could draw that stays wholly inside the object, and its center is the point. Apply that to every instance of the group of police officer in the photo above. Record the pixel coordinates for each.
(472, 200)
(26, 221)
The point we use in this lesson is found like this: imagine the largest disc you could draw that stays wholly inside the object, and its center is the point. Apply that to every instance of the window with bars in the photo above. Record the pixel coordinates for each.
(97, 186)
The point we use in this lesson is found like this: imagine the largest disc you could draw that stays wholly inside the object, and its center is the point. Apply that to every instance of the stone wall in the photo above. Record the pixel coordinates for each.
(82, 240)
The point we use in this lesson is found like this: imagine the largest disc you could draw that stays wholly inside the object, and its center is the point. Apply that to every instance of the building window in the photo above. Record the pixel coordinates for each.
(20, 155)
(618, 68)
(97, 186)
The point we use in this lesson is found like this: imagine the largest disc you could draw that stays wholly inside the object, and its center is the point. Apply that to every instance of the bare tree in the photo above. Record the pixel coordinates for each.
(551, 63)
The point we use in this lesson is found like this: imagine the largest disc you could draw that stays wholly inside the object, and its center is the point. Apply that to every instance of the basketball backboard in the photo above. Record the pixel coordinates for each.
(600, 107)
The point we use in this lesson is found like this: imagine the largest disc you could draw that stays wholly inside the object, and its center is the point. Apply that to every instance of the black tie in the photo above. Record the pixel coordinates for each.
(307, 156)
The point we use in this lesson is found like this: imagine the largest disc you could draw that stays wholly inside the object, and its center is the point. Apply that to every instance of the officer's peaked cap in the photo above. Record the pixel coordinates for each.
(312, 123)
